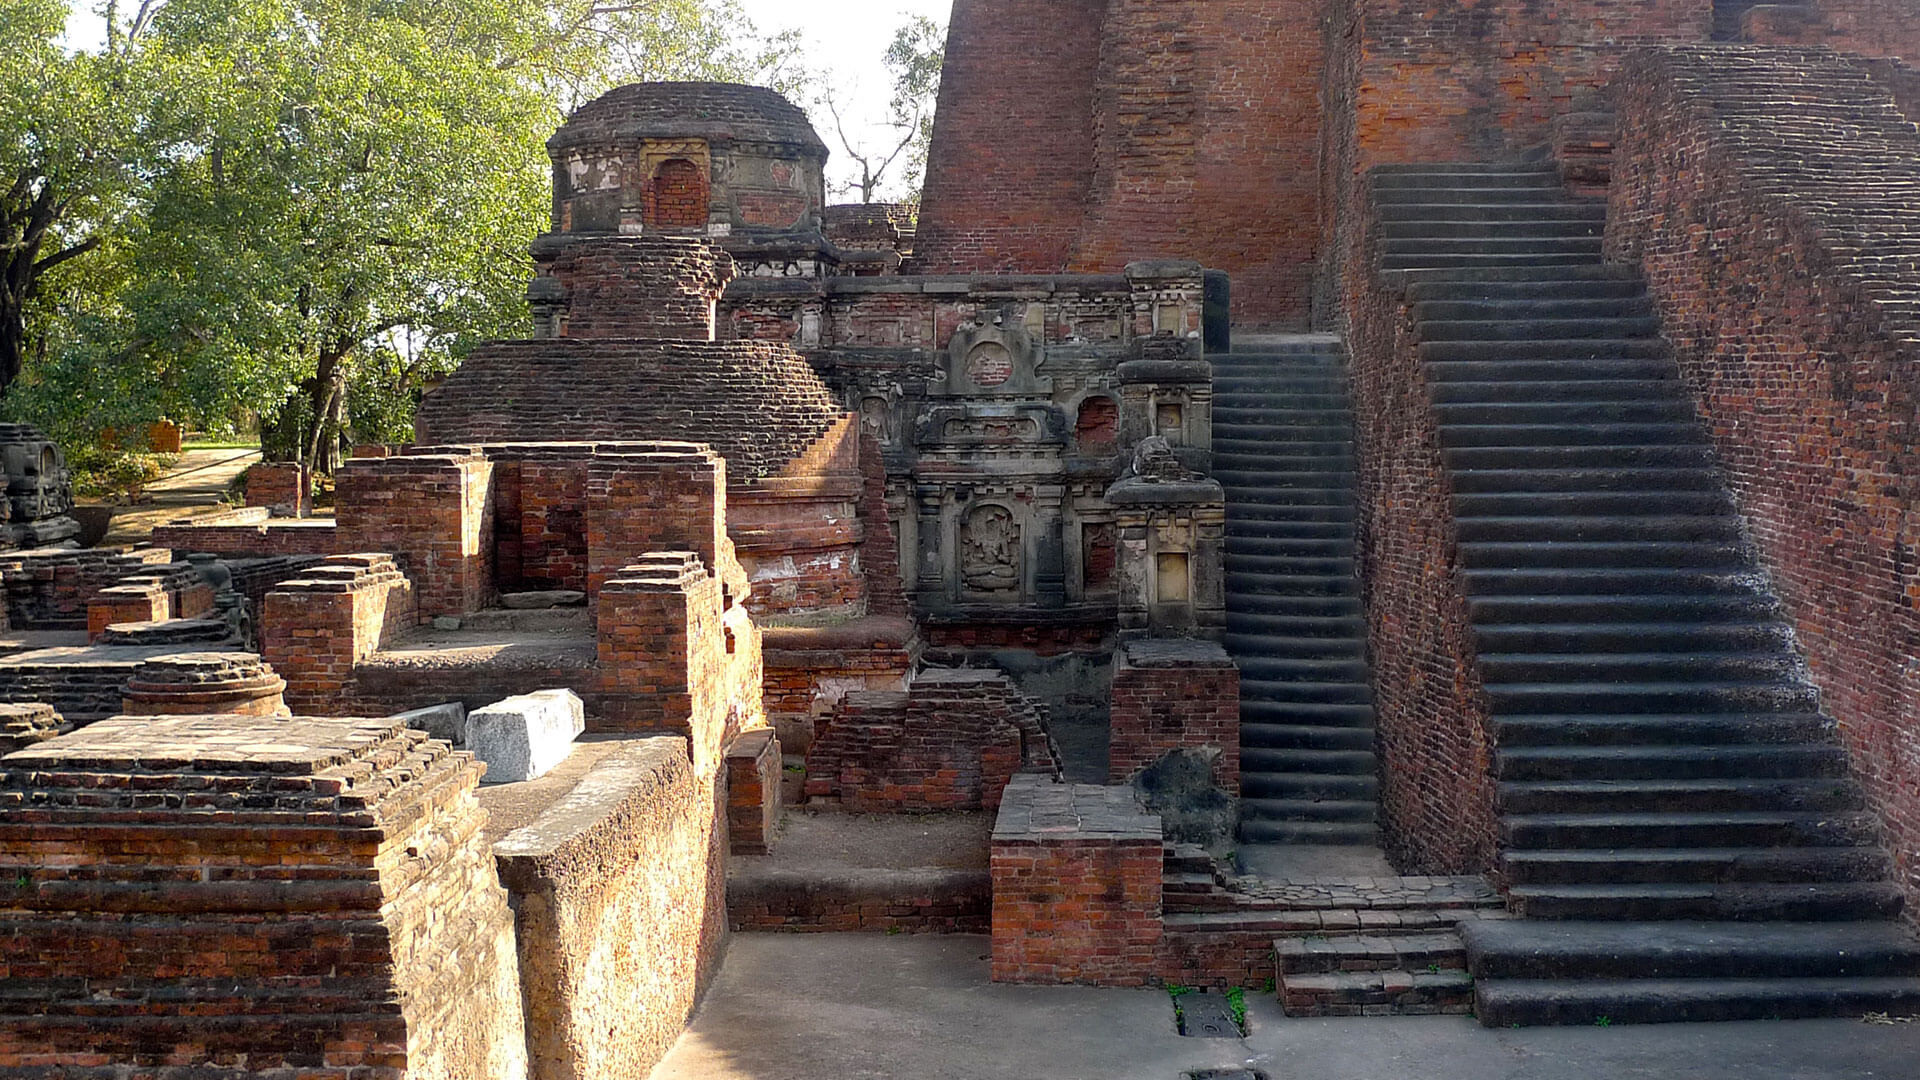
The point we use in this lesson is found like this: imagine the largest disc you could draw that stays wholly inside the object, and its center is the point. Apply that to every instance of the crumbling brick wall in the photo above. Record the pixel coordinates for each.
(951, 741)
(1776, 235)
(1875, 28)
(1170, 695)
(315, 628)
(433, 512)
(620, 912)
(641, 287)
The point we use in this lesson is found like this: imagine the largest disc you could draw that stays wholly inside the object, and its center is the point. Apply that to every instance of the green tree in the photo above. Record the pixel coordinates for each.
(332, 201)
(62, 145)
(913, 61)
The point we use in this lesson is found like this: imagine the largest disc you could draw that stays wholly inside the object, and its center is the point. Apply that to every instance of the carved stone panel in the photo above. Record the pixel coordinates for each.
(990, 552)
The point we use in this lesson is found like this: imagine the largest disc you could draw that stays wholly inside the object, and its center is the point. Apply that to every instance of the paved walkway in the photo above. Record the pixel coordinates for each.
(197, 480)
(871, 1007)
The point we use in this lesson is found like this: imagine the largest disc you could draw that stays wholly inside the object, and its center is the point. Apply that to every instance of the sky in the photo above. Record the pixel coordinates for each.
(844, 38)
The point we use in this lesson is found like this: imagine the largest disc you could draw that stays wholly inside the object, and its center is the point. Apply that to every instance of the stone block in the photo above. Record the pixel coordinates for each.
(542, 599)
(448, 721)
(524, 737)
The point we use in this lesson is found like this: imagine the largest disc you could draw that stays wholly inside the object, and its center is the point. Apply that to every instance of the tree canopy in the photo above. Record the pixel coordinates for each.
(300, 209)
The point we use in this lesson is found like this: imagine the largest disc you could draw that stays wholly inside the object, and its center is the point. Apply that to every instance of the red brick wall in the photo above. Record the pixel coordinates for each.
(314, 629)
(240, 534)
(1012, 156)
(539, 514)
(1763, 228)
(281, 485)
(1877, 28)
(671, 499)
(677, 196)
(1168, 699)
(1087, 135)
(753, 792)
(434, 514)
(641, 287)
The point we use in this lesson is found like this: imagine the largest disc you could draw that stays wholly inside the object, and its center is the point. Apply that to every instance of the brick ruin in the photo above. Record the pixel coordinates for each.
(1569, 564)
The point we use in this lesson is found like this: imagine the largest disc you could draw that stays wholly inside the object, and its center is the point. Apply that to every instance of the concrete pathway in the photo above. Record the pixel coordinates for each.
(870, 1007)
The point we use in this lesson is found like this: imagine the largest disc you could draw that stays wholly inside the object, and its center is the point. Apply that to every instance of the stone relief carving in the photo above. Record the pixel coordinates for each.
(990, 550)
(993, 429)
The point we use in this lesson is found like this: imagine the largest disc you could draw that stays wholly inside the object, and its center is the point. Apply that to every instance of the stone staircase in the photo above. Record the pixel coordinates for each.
(1283, 448)
(1678, 823)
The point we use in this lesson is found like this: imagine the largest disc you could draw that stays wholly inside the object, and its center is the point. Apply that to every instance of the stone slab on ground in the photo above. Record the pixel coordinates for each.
(511, 806)
(448, 721)
(868, 1007)
(524, 737)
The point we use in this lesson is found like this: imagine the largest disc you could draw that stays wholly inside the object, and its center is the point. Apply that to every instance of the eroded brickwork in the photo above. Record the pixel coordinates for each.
(641, 287)
(253, 897)
(1774, 234)
(433, 512)
(620, 912)
(951, 741)
(1170, 695)
(315, 628)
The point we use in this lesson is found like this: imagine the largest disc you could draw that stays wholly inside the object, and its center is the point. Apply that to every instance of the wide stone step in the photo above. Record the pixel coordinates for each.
(1466, 227)
(1340, 811)
(1533, 527)
(1440, 193)
(1288, 512)
(1251, 647)
(1556, 391)
(1518, 212)
(1474, 260)
(1316, 440)
(1596, 478)
(1254, 498)
(1244, 527)
(1587, 667)
(1389, 178)
(1517, 949)
(1318, 607)
(1481, 414)
(1287, 565)
(1706, 729)
(1625, 348)
(1780, 761)
(1695, 454)
(1270, 584)
(1540, 608)
(1300, 692)
(1680, 796)
(1369, 952)
(1536, 329)
(1696, 866)
(1594, 433)
(1289, 547)
(1841, 901)
(1306, 737)
(1536, 553)
(1651, 697)
(1615, 581)
(1559, 283)
(1319, 713)
(1688, 830)
(1538, 371)
(1264, 831)
(1247, 474)
(1506, 1003)
(1559, 276)
(1305, 762)
(1272, 668)
(1592, 504)
(1526, 308)
(1258, 783)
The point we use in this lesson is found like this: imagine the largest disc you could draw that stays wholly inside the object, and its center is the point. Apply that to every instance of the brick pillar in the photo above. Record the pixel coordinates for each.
(1076, 885)
(662, 643)
(1174, 693)
(315, 628)
(753, 792)
(670, 499)
(285, 487)
(434, 514)
(144, 602)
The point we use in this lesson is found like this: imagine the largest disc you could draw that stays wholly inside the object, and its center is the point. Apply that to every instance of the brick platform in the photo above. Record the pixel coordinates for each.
(198, 684)
(252, 897)
(1076, 885)
(23, 725)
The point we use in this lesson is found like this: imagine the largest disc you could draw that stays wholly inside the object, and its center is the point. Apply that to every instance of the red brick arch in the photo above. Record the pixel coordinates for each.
(677, 196)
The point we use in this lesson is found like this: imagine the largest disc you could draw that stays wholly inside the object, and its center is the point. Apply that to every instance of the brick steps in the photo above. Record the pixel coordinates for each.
(1678, 824)
(1373, 975)
(1284, 451)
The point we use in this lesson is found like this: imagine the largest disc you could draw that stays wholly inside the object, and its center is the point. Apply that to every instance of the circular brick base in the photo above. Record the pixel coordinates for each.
(191, 684)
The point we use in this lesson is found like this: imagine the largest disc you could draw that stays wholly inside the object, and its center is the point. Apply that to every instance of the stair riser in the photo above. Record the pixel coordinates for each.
(1843, 865)
(1496, 1009)
(1635, 667)
(1805, 796)
(1507, 699)
(1728, 906)
(1759, 763)
(1530, 330)
(1840, 831)
(1517, 555)
(1587, 731)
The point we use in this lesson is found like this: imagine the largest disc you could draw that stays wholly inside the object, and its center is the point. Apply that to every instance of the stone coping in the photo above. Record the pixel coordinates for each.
(1174, 653)
(600, 798)
(1035, 810)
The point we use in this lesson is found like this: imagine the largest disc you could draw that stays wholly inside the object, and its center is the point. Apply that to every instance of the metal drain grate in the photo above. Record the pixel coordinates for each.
(1224, 1074)
(1206, 1016)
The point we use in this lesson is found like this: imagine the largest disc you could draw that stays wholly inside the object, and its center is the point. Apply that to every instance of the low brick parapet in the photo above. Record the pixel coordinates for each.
(316, 627)
(1171, 694)
(753, 791)
(1077, 877)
